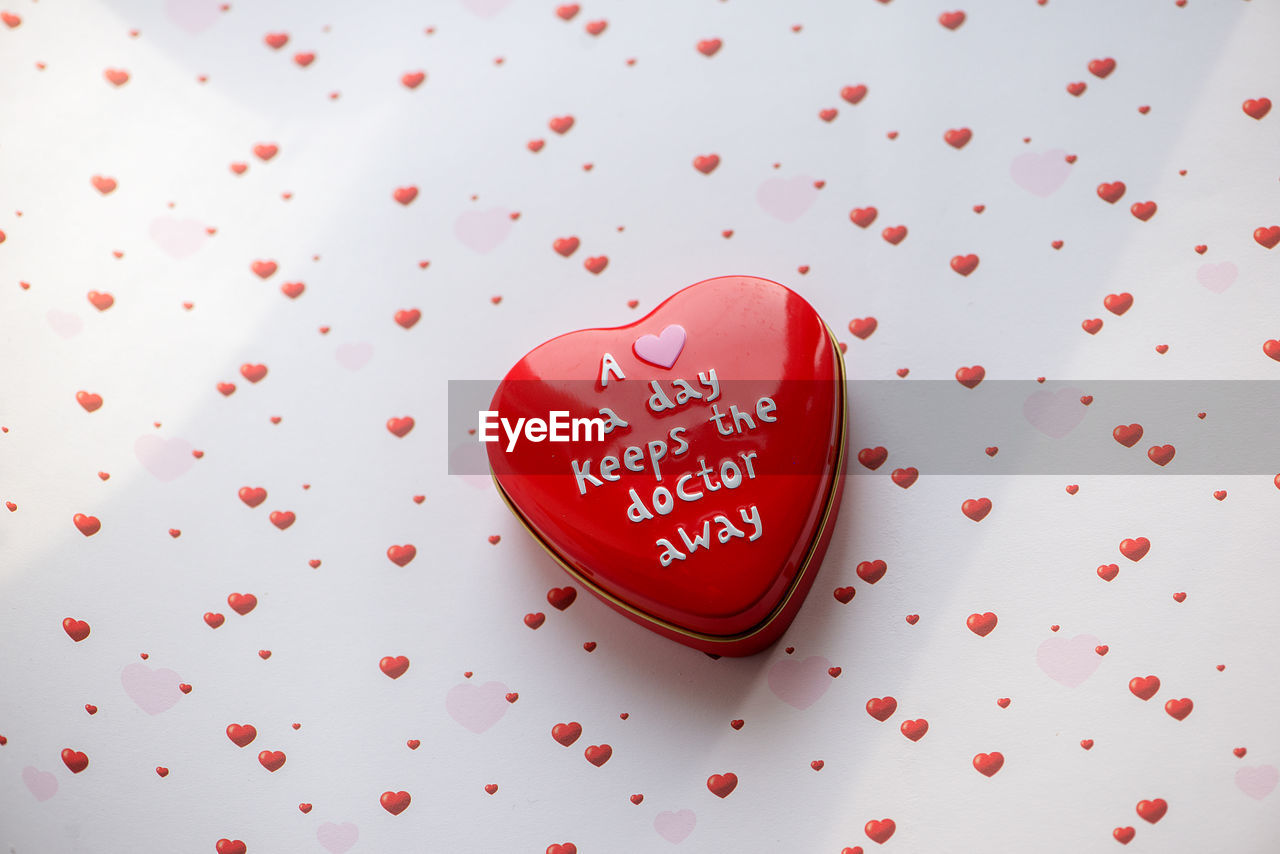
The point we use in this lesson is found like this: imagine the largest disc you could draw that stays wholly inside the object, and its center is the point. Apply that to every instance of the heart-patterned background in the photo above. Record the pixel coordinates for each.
(245, 246)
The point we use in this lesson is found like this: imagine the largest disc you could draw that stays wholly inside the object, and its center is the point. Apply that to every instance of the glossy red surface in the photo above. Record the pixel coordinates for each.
(763, 341)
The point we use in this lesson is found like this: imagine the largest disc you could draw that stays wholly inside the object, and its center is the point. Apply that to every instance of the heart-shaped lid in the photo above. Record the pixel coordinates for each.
(700, 501)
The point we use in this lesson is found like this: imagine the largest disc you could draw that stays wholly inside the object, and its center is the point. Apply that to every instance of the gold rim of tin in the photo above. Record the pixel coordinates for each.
(837, 482)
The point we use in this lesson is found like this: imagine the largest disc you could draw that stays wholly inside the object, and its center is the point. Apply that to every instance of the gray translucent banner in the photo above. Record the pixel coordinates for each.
(1193, 427)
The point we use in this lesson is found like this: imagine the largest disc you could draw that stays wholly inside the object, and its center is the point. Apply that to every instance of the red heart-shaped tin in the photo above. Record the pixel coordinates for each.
(704, 511)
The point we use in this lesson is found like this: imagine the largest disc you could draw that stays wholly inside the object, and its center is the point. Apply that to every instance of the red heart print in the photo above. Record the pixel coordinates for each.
(394, 666)
(184, 687)
(565, 848)
(1102, 67)
(87, 525)
(880, 831)
(1112, 192)
(89, 402)
(905, 477)
(1003, 702)
(894, 234)
(400, 426)
(1220, 494)
(951, 20)
(104, 185)
(737, 724)
(1118, 303)
(213, 620)
(862, 327)
(706, 163)
(976, 508)
(304, 808)
(566, 246)
(709, 47)
(242, 603)
(408, 317)
(658, 565)
(226, 388)
(561, 124)
(1127, 435)
(1272, 348)
(863, 217)
(405, 195)
(413, 744)
(276, 41)
(535, 145)
(101, 301)
(535, 620)
(1108, 571)
(1123, 835)
(1086, 743)
(1152, 810)
(264, 269)
(828, 114)
(871, 571)
(596, 264)
(964, 264)
(1239, 752)
(1092, 326)
(413, 79)
(1135, 550)
(854, 94)
(264, 151)
(987, 764)
(77, 630)
(844, 595)
(567, 11)
(231, 846)
(1077, 88)
(272, 760)
(873, 458)
(915, 730)
(395, 802)
(75, 760)
(1143, 210)
(971, 376)
(1072, 488)
(598, 754)
(568, 733)
(958, 137)
(241, 735)
(304, 59)
(1267, 237)
(561, 597)
(722, 785)
(253, 373)
(12, 21)
(1144, 688)
(981, 624)
(1257, 107)
(282, 518)
(1161, 454)
(1102, 649)
(882, 708)
(1178, 709)
(912, 619)
(252, 495)
(401, 555)
(595, 28)
(293, 290)
(162, 771)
